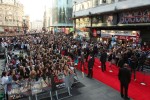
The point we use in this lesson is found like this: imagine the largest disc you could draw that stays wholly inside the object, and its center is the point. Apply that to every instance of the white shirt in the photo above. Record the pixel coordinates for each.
(5, 44)
(28, 47)
(17, 62)
(4, 80)
(2, 44)
(75, 46)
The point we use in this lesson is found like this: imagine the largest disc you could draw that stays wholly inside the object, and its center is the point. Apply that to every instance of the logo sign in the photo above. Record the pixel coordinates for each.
(141, 16)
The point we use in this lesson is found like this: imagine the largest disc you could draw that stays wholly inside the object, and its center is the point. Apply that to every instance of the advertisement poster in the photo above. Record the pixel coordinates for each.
(94, 33)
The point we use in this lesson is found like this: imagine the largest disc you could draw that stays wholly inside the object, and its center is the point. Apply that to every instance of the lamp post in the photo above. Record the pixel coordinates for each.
(24, 25)
(90, 17)
(64, 20)
(74, 17)
(17, 27)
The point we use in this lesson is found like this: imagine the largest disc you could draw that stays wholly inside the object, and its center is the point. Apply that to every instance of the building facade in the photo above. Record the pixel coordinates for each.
(11, 16)
(61, 16)
(125, 19)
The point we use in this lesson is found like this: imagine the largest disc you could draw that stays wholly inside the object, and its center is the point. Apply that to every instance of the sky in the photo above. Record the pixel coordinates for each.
(35, 8)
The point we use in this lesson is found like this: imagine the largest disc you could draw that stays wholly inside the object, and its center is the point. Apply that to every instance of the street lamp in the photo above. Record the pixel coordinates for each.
(17, 26)
(24, 25)
(74, 17)
(90, 17)
(63, 20)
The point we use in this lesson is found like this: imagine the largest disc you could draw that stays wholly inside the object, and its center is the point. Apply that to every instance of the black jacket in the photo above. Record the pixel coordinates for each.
(103, 57)
(124, 75)
(121, 63)
(91, 63)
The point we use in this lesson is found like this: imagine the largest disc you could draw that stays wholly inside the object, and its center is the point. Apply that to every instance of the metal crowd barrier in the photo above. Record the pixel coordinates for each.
(62, 82)
(13, 91)
(33, 89)
(36, 87)
(7, 60)
(2, 94)
(3, 68)
(28, 89)
(76, 76)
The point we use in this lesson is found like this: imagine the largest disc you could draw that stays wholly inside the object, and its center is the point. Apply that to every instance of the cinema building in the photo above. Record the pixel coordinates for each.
(125, 19)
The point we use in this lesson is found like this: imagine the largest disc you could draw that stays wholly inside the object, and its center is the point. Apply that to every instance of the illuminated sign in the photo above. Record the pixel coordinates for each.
(141, 16)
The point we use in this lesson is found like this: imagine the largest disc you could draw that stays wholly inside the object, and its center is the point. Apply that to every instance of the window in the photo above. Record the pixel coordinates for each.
(78, 7)
(103, 1)
(89, 3)
(95, 3)
(100, 1)
(82, 7)
(85, 5)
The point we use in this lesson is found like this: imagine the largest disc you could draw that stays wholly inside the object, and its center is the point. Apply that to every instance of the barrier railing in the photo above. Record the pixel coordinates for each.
(33, 89)
(7, 60)
(62, 82)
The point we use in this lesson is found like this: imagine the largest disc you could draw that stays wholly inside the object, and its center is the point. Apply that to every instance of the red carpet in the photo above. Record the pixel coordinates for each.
(136, 90)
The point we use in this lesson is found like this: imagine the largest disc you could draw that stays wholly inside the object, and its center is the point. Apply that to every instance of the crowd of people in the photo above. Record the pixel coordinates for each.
(40, 56)
(51, 55)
